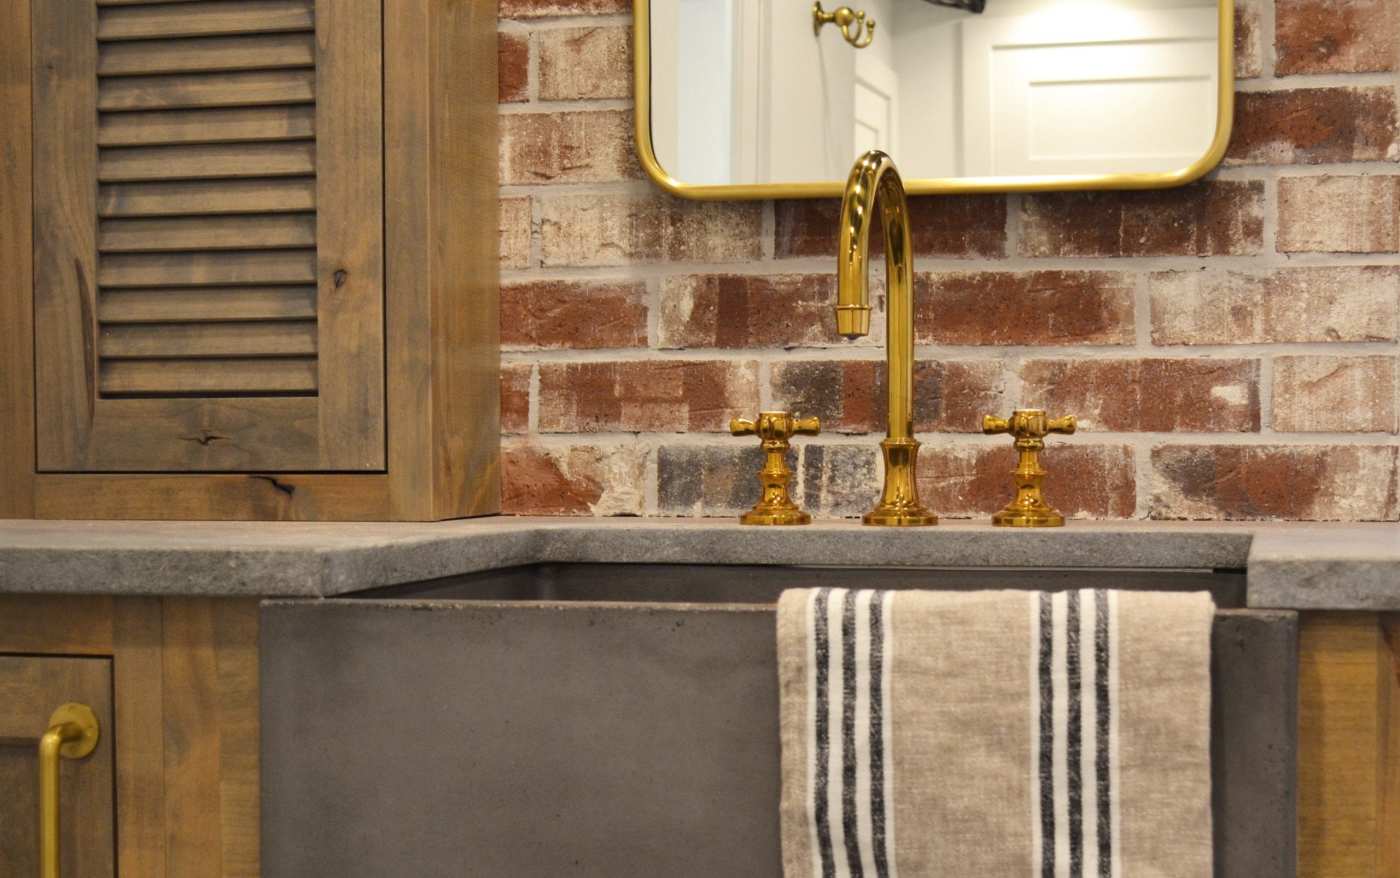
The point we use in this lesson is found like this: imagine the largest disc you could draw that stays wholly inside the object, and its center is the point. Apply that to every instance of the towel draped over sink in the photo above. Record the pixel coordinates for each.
(996, 733)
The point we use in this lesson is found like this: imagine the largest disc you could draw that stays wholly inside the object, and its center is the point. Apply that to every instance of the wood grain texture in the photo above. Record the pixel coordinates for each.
(239, 89)
(206, 161)
(31, 688)
(207, 377)
(205, 304)
(281, 231)
(200, 269)
(137, 647)
(1389, 820)
(205, 198)
(56, 624)
(205, 19)
(208, 340)
(1344, 673)
(257, 496)
(206, 54)
(444, 360)
(350, 235)
(16, 254)
(206, 126)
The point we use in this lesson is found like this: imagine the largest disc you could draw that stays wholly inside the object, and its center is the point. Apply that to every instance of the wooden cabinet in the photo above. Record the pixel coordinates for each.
(172, 790)
(250, 259)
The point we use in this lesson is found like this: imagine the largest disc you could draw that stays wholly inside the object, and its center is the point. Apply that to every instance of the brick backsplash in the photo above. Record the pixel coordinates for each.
(1232, 347)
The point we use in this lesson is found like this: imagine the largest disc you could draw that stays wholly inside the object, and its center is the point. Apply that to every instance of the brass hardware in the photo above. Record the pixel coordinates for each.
(72, 734)
(850, 22)
(1030, 427)
(646, 146)
(775, 505)
(873, 179)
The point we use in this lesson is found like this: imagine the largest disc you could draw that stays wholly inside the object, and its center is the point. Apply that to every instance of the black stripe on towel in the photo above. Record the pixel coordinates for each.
(849, 823)
(1047, 737)
(1073, 740)
(821, 637)
(1102, 724)
(877, 734)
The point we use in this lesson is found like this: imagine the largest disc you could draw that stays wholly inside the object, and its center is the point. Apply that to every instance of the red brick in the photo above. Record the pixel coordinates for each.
(709, 480)
(1291, 482)
(1028, 308)
(586, 63)
(515, 397)
(1336, 36)
(1339, 214)
(1340, 303)
(748, 311)
(578, 480)
(1149, 395)
(1214, 218)
(1249, 40)
(958, 226)
(619, 229)
(656, 396)
(1084, 481)
(589, 147)
(1314, 394)
(575, 315)
(515, 232)
(850, 395)
(551, 8)
(513, 67)
(1314, 126)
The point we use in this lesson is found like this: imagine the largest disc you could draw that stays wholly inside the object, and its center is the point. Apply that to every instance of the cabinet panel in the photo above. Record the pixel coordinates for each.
(31, 688)
(209, 292)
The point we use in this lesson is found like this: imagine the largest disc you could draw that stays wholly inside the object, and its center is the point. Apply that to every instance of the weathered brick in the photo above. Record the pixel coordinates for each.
(619, 229)
(551, 8)
(1029, 308)
(708, 480)
(1249, 40)
(1302, 483)
(1314, 126)
(1339, 214)
(513, 67)
(515, 232)
(748, 311)
(1213, 218)
(576, 315)
(1148, 395)
(657, 396)
(586, 63)
(588, 147)
(959, 226)
(1084, 481)
(1341, 303)
(840, 481)
(515, 397)
(1314, 394)
(850, 395)
(577, 480)
(1336, 36)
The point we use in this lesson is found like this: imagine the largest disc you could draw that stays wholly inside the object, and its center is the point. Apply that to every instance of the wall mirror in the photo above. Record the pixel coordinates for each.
(776, 98)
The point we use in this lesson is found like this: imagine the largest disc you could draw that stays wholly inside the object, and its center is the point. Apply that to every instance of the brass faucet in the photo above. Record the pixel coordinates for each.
(874, 179)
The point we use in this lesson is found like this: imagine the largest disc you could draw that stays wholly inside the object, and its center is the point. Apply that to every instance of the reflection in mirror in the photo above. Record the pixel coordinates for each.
(756, 92)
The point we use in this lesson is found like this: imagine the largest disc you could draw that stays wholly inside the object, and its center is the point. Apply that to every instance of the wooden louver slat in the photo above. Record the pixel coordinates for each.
(202, 162)
(207, 340)
(250, 88)
(198, 269)
(283, 231)
(255, 124)
(212, 198)
(206, 304)
(203, 19)
(207, 54)
(209, 377)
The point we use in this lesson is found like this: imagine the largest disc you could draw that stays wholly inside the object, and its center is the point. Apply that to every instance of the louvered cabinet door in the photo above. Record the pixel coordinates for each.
(208, 236)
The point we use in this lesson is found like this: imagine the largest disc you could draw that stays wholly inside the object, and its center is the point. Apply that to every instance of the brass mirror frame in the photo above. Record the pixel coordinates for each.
(646, 152)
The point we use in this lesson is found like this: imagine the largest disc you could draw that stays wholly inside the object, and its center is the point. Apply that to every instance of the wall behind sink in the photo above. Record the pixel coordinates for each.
(1231, 348)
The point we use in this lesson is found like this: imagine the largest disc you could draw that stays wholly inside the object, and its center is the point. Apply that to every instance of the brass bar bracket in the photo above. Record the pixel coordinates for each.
(775, 505)
(1029, 427)
(72, 734)
(855, 29)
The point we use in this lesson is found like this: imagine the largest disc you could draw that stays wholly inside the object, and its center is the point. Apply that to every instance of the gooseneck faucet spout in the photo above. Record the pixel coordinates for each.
(875, 181)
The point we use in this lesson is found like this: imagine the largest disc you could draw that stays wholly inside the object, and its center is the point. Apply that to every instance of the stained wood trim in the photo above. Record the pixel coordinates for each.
(262, 497)
(16, 254)
(56, 624)
(138, 643)
(1389, 822)
(443, 323)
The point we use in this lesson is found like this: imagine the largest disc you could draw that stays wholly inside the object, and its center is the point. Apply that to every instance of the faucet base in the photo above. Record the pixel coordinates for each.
(899, 504)
(1028, 517)
(791, 516)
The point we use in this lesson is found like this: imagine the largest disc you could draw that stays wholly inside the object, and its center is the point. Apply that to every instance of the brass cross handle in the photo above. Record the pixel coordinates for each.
(775, 504)
(851, 23)
(1029, 427)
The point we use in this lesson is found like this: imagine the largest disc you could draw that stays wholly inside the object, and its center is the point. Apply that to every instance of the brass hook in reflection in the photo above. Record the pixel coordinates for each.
(850, 22)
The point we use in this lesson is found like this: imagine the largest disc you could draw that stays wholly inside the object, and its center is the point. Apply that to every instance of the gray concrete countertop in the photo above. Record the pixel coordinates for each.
(1312, 566)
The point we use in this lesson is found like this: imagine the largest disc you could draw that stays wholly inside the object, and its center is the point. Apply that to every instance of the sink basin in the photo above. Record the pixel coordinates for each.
(621, 720)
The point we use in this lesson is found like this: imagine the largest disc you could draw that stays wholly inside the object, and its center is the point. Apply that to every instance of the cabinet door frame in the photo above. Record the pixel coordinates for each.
(442, 359)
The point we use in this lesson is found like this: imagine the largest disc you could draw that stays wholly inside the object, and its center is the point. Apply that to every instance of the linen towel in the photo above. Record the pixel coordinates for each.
(997, 733)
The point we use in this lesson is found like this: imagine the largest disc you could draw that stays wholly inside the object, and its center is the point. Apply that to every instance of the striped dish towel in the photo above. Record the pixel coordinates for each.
(999, 733)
